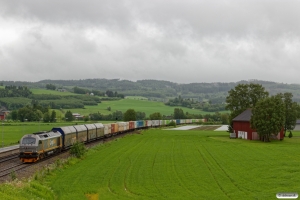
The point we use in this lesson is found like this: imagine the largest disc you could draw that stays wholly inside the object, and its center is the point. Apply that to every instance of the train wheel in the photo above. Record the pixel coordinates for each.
(41, 156)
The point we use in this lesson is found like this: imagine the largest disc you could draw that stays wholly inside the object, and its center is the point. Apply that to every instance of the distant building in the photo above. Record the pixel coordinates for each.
(3, 114)
(242, 128)
(77, 116)
(61, 90)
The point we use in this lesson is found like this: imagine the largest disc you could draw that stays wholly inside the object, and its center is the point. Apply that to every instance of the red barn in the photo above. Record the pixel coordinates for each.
(242, 128)
(3, 114)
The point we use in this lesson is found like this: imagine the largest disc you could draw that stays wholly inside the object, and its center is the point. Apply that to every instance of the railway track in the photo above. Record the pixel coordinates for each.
(9, 170)
(7, 158)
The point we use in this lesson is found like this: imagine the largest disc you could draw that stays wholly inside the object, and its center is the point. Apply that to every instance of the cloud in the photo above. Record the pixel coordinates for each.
(180, 41)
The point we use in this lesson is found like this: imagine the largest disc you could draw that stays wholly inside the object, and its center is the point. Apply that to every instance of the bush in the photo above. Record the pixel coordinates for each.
(13, 175)
(172, 123)
(78, 150)
(290, 134)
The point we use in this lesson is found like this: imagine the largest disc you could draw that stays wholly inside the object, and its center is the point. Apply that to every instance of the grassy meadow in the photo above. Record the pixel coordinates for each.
(168, 164)
(138, 103)
(123, 105)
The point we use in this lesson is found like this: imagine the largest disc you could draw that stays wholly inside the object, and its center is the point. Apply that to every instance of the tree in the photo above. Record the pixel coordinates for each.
(24, 113)
(178, 113)
(47, 117)
(140, 115)
(69, 116)
(242, 97)
(155, 116)
(129, 115)
(86, 118)
(50, 87)
(117, 115)
(14, 115)
(53, 116)
(291, 112)
(268, 116)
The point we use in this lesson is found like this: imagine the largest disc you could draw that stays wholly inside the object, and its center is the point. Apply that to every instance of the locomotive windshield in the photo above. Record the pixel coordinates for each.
(28, 140)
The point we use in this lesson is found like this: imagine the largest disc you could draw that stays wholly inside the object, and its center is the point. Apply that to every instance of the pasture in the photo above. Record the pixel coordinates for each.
(169, 164)
(146, 106)
(138, 103)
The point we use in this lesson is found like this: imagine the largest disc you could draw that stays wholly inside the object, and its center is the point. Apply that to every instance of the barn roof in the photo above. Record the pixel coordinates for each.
(244, 116)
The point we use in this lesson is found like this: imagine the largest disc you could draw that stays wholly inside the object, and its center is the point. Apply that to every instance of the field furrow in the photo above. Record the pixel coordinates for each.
(160, 164)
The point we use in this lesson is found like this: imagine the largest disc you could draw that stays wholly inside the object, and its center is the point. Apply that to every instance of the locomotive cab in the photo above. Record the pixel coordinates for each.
(29, 148)
(39, 145)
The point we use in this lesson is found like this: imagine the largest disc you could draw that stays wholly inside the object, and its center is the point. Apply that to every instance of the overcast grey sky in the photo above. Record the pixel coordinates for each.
(180, 41)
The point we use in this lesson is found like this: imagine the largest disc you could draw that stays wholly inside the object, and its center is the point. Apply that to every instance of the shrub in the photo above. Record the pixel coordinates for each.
(13, 175)
(290, 134)
(172, 123)
(78, 150)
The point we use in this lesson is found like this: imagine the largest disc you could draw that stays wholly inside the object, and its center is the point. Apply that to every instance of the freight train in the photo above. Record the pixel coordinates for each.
(36, 146)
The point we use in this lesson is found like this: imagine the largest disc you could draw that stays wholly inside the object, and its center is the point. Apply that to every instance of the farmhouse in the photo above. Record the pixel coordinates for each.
(242, 128)
(3, 114)
(77, 116)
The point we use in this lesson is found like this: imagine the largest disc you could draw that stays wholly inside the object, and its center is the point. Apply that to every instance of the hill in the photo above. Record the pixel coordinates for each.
(162, 90)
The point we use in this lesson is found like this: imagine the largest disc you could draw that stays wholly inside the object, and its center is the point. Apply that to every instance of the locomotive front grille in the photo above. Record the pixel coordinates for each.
(28, 155)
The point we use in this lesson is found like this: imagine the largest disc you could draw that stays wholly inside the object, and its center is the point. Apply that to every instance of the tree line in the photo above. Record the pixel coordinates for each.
(191, 103)
(15, 91)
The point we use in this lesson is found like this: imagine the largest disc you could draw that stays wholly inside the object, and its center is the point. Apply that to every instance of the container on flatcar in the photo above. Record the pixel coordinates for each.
(114, 128)
(155, 123)
(140, 124)
(149, 123)
(162, 122)
(91, 132)
(123, 126)
(177, 121)
(132, 125)
(69, 135)
(100, 130)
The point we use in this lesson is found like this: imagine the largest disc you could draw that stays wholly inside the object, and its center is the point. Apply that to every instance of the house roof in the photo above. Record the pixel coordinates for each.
(244, 116)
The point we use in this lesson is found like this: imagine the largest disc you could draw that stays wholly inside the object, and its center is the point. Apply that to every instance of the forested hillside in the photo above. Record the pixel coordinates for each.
(162, 90)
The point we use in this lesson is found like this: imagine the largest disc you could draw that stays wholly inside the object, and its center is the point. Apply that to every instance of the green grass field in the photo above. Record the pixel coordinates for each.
(138, 103)
(123, 105)
(166, 164)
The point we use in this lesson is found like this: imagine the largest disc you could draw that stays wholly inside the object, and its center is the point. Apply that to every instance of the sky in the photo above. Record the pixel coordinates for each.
(184, 41)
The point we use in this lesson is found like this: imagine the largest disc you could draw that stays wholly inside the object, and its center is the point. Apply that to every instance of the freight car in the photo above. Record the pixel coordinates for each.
(36, 146)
